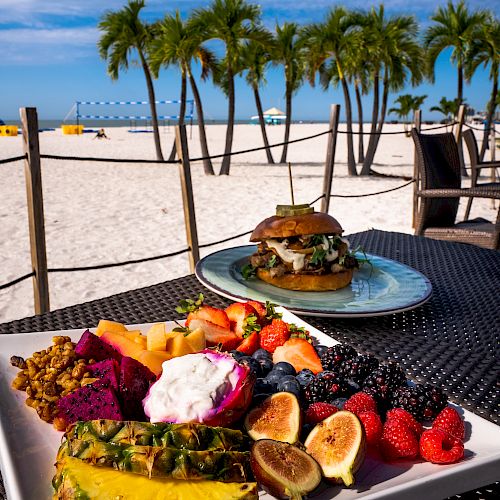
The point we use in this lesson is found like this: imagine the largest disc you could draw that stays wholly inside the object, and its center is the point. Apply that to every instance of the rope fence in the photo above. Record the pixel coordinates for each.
(11, 160)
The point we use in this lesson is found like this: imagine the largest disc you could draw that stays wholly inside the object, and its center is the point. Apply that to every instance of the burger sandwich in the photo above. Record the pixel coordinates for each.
(300, 249)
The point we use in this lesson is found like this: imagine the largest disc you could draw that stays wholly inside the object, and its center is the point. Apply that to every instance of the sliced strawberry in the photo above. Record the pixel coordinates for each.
(242, 318)
(215, 334)
(300, 354)
(260, 308)
(209, 313)
(250, 344)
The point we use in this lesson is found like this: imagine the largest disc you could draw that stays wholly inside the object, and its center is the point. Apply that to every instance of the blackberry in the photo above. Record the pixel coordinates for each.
(325, 388)
(382, 382)
(358, 368)
(335, 355)
(424, 401)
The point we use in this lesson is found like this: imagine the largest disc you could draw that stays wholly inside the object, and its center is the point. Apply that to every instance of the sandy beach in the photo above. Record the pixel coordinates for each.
(99, 213)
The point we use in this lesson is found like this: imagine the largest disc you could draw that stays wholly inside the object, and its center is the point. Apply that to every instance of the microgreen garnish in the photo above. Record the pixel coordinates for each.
(271, 262)
(318, 256)
(248, 271)
(189, 305)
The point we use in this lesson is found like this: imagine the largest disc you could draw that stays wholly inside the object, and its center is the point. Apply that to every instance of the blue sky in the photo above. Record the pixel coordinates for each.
(49, 59)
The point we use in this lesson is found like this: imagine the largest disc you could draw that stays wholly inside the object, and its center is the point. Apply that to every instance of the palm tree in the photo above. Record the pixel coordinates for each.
(232, 22)
(399, 56)
(288, 52)
(456, 27)
(123, 33)
(175, 43)
(446, 107)
(254, 59)
(407, 104)
(485, 49)
(329, 45)
(361, 79)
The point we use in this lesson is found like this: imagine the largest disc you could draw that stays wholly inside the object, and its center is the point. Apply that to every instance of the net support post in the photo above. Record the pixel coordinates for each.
(417, 123)
(34, 194)
(181, 143)
(330, 157)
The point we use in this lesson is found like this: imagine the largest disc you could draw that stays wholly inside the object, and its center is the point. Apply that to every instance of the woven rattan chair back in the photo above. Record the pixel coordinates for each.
(438, 162)
(470, 141)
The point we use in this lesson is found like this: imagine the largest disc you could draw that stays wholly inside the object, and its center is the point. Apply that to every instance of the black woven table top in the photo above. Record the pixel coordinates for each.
(451, 341)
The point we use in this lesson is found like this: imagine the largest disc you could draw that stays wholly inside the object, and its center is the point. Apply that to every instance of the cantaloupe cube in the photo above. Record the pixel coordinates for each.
(142, 340)
(123, 345)
(196, 339)
(106, 325)
(180, 346)
(154, 359)
(131, 334)
(157, 338)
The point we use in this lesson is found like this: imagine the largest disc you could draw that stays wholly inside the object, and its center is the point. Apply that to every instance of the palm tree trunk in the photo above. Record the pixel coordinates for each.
(258, 103)
(460, 92)
(361, 149)
(182, 111)
(152, 103)
(351, 161)
(366, 165)
(226, 162)
(207, 162)
(287, 124)
(489, 118)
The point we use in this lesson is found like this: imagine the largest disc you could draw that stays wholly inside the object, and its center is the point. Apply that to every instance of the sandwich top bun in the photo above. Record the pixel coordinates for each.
(296, 225)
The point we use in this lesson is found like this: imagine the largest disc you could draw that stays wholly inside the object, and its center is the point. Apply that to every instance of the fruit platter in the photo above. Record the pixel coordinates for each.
(239, 402)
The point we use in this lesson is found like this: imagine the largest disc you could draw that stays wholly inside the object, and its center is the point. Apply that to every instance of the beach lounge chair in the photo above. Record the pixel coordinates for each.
(476, 166)
(439, 193)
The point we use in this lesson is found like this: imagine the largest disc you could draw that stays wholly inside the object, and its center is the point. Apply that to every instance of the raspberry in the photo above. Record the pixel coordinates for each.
(408, 418)
(440, 447)
(398, 441)
(450, 421)
(359, 403)
(373, 427)
(274, 335)
(317, 412)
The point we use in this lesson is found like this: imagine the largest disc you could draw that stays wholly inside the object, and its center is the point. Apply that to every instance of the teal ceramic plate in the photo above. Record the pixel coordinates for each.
(384, 287)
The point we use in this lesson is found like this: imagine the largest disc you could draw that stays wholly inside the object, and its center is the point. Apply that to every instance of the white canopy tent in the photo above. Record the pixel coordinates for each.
(272, 116)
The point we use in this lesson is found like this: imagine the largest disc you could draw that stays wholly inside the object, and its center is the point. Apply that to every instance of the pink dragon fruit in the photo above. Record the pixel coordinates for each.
(106, 371)
(209, 387)
(90, 346)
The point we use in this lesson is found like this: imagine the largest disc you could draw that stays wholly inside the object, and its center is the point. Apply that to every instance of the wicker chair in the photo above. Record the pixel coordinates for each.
(440, 191)
(476, 166)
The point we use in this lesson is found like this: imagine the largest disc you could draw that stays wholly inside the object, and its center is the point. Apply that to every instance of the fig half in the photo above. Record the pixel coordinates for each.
(278, 417)
(338, 444)
(283, 470)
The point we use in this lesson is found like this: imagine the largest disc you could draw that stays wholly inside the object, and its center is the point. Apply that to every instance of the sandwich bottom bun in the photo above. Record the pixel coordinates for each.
(308, 282)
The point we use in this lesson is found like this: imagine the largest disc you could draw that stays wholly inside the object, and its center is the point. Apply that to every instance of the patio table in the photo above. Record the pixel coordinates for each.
(451, 341)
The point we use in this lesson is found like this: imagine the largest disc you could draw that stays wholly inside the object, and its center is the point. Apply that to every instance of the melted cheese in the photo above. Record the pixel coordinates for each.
(287, 255)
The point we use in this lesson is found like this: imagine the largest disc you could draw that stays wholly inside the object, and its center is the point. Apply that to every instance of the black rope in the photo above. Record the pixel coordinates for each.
(107, 160)
(261, 147)
(205, 245)
(15, 158)
(17, 280)
(370, 194)
(396, 132)
(489, 129)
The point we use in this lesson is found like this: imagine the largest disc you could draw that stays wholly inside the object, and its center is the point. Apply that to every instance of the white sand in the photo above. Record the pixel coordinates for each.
(107, 212)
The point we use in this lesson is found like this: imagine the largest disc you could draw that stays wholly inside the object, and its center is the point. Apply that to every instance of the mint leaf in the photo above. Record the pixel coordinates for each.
(189, 305)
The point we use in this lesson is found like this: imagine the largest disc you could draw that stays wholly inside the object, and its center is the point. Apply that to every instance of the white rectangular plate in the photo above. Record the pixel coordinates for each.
(28, 446)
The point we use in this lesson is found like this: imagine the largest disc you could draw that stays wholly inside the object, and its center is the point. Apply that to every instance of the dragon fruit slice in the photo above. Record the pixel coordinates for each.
(90, 402)
(135, 380)
(208, 387)
(106, 371)
(90, 346)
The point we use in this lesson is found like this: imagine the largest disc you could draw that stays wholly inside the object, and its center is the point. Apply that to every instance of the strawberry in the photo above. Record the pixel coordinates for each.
(440, 447)
(398, 441)
(408, 418)
(250, 344)
(260, 309)
(359, 403)
(274, 335)
(299, 353)
(373, 427)
(216, 335)
(317, 412)
(209, 313)
(450, 421)
(242, 318)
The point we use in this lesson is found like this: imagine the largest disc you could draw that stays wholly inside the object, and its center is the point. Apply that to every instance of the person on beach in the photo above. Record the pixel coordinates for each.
(101, 134)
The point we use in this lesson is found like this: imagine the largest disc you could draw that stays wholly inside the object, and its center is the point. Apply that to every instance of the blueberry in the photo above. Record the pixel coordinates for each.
(289, 384)
(266, 365)
(253, 364)
(261, 354)
(339, 403)
(264, 386)
(305, 376)
(237, 355)
(274, 377)
(320, 349)
(285, 368)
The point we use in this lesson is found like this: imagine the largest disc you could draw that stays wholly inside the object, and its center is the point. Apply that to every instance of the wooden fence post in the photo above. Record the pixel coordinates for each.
(416, 174)
(458, 137)
(33, 176)
(330, 157)
(187, 195)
